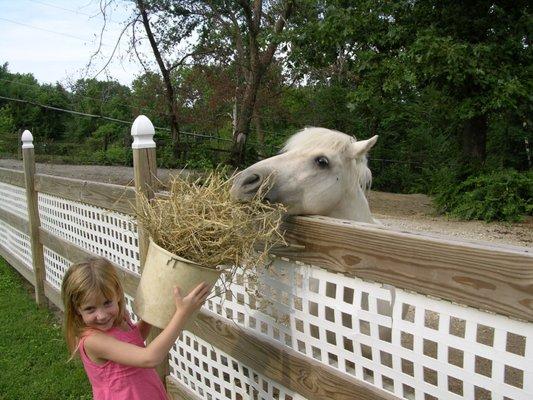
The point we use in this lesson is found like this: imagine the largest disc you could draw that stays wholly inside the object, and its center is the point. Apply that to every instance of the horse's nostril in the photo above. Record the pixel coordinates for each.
(252, 179)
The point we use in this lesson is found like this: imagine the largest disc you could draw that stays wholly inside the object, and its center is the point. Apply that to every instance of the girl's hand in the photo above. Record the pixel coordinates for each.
(194, 300)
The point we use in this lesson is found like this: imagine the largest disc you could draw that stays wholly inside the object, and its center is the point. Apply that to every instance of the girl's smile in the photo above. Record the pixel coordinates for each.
(99, 312)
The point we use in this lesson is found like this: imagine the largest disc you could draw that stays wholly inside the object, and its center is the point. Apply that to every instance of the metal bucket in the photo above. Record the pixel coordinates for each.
(154, 300)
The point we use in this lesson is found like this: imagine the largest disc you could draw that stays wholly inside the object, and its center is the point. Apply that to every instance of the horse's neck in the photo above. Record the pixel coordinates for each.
(354, 207)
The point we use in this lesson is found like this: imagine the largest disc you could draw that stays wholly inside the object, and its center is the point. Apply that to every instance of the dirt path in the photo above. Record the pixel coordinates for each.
(406, 212)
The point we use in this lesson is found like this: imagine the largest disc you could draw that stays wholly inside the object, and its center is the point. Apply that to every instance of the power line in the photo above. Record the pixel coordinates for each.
(69, 10)
(106, 118)
(161, 114)
(167, 129)
(67, 111)
(45, 30)
(61, 8)
(102, 100)
(87, 97)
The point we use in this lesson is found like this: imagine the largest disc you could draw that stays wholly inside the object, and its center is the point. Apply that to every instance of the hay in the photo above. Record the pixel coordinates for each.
(200, 222)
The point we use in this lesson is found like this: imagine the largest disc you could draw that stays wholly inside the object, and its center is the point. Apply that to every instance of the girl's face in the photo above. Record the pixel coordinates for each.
(99, 312)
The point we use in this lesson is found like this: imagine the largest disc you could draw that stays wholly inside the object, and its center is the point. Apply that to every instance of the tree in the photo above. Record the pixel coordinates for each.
(253, 30)
(470, 58)
(102, 98)
(9, 141)
(166, 71)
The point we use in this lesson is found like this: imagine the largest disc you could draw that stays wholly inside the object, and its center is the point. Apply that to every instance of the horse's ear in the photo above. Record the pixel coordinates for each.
(362, 147)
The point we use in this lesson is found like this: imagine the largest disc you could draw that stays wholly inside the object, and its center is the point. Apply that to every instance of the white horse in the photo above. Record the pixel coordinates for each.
(318, 172)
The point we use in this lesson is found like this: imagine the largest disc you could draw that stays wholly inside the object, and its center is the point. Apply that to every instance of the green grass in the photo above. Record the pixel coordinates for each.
(33, 356)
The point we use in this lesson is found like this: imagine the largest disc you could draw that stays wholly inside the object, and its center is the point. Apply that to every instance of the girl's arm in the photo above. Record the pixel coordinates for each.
(144, 328)
(102, 347)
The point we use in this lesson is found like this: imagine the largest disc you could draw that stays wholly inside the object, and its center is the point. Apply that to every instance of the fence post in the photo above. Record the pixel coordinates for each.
(144, 170)
(37, 254)
(145, 174)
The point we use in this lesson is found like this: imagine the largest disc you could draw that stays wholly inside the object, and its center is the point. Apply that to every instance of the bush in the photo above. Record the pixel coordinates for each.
(497, 196)
(117, 155)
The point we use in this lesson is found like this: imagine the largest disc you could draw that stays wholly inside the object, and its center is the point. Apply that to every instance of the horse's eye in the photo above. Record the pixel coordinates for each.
(322, 161)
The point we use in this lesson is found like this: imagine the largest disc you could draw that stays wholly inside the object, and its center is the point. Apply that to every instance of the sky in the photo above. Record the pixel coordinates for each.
(54, 40)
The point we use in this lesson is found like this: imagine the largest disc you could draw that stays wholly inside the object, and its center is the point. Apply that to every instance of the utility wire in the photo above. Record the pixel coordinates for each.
(87, 97)
(69, 111)
(70, 10)
(161, 114)
(45, 30)
(61, 8)
(106, 118)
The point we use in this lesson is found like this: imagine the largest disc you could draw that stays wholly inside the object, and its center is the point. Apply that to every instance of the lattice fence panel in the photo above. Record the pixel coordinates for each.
(17, 242)
(410, 345)
(106, 233)
(55, 267)
(214, 375)
(13, 199)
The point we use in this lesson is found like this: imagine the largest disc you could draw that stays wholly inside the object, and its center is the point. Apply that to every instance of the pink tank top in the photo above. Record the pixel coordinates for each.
(112, 381)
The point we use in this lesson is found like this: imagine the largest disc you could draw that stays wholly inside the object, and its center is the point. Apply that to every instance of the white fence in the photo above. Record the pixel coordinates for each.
(312, 331)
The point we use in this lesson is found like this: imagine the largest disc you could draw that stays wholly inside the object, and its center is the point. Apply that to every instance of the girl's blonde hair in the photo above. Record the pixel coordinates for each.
(81, 281)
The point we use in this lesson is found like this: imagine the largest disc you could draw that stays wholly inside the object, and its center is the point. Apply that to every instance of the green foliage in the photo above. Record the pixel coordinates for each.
(457, 72)
(502, 195)
(34, 355)
(198, 159)
(166, 158)
(8, 132)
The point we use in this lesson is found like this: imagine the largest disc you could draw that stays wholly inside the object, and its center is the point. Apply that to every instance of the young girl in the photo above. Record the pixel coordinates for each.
(111, 347)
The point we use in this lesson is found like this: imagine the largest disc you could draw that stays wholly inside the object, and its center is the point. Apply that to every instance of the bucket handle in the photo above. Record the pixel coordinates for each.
(175, 260)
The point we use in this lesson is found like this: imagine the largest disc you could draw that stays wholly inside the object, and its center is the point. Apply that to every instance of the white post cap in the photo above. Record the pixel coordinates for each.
(27, 140)
(143, 132)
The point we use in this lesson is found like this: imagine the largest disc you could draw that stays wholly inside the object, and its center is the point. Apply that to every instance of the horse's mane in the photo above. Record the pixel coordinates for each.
(313, 138)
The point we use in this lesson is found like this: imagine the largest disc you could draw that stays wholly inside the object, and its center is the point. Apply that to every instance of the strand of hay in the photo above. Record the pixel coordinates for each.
(200, 222)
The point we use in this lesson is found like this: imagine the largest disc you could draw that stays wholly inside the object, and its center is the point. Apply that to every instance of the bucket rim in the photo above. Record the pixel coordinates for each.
(174, 256)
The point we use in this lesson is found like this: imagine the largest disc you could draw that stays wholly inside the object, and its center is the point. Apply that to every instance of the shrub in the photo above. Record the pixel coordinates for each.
(497, 196)
(117, 155)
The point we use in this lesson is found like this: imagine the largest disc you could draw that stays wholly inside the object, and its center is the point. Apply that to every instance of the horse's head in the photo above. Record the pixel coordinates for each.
(319, 171)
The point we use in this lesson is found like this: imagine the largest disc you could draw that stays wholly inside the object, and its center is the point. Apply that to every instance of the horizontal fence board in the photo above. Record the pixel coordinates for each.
(285, 366)
(19, 266)
(494, 278)
(15, 221)
(63, 247)
(177, 391)
(113, 197)
(12, 177)
(53, 295)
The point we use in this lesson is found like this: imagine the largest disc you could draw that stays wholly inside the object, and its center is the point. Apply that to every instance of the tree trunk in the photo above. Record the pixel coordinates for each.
(169, 89)
(244, 119)
(260, 134)
(258, 64)
(473, 142)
